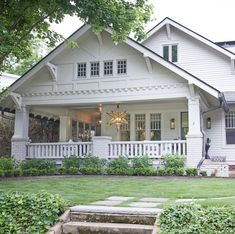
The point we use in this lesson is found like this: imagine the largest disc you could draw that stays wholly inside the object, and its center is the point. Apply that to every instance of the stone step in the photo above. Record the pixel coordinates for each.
(116, 210)
(106, 228)
(113, 218)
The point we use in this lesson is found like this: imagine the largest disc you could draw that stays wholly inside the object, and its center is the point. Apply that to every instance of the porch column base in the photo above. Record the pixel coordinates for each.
(194, 149)
(18, 148)
(101, 146)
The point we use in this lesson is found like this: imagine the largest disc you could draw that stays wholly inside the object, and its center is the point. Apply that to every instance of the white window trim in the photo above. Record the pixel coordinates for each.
(76, 71)
(223, 130)
(107, 75)
(121, 74)
(91, 76)
(170, 50)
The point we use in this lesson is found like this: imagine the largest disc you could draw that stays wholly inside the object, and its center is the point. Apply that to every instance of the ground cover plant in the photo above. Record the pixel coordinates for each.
(28, 212)
(195, 219)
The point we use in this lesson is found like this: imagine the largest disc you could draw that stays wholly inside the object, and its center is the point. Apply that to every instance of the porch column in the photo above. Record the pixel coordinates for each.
(101, 146)
(20, 137)
(194, 136)
(65, 128)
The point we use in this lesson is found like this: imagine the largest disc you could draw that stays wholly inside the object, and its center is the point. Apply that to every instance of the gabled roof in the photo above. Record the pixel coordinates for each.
(190, 32)
(141, 48)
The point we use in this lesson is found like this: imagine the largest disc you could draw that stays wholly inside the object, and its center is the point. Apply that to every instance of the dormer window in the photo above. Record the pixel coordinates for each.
(170, 53)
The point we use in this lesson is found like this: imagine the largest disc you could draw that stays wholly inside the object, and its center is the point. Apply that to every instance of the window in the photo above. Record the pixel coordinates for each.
(170, 53)
(95, 69)
(81, 69)
(140, 127)
(184, 125)
(121, 67)
(155, 124)
(230, 127)
(108, 68)
(125, 130)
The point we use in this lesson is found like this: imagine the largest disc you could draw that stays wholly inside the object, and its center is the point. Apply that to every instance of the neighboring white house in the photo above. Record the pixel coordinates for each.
(6, 79)
(172, 86)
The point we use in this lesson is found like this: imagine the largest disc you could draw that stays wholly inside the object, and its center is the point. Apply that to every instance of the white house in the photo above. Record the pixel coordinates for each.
(173, 87)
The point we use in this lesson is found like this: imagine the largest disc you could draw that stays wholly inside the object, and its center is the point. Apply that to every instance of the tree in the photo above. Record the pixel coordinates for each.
(22, 21)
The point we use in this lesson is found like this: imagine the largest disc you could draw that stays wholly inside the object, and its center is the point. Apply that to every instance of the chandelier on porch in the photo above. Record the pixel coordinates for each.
(117, 117)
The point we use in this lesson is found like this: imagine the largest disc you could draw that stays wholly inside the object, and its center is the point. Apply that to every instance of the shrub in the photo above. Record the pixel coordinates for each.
(92, 165)
(33, 172)
(191, 171)
(194, 219)
(173, 161)
(39, 164)
(72, 161)
(203, 173)
(7, 163)
(9, 173)
(142, 165)
(17, 172)
(62, 170)
(28, 213)
(179, 171)
(72, 170)
(1, 173)
(160, 172)
(119, 166)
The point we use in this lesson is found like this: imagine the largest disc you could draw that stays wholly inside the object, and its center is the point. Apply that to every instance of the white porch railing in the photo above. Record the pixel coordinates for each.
(153, 149)
(58, 150)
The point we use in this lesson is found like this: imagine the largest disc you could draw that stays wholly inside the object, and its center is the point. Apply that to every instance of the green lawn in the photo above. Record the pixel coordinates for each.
(86, 189)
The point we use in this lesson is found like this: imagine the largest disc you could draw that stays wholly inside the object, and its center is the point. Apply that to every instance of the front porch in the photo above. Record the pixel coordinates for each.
(154, 128)
(105, 148)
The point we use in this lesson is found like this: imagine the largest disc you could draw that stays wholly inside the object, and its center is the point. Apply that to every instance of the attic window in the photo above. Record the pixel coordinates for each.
(81, 69)
(95, 68)
(170, 53)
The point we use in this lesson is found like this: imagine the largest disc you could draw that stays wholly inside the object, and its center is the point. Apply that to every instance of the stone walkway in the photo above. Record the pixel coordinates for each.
(145, 202)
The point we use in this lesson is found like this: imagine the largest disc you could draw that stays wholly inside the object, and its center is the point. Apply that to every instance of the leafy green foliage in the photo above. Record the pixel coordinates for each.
(72, 161)
(119, 166)
(142, 165)
(191, 171)
(39, 164)
(7, 163)
(24, 21)
(194, 219)
(29, 213)
(173, 161)
(92, 165)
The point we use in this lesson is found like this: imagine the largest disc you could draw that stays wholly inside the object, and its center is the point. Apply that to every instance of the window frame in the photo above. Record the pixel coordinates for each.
(170, 52)
(78, 64)
(108, 61)
(121, 60)
(142, 130)
(158, 121)
(231, 126)
(92, 71)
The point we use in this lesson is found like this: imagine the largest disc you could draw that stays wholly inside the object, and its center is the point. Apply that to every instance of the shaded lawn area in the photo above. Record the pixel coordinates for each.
(87, 189)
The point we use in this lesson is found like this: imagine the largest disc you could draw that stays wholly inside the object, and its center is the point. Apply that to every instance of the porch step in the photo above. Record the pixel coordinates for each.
(106, 228)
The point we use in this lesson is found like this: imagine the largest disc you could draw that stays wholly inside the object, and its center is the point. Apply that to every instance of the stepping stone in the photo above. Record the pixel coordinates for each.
(119, 198)
(144, 204)
(154, 199)
(189, 200)
(107, 203)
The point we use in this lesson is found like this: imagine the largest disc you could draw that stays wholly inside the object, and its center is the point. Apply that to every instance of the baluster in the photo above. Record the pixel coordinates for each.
(128, 149)
(140, 149)
(132, 149)
(179, 149)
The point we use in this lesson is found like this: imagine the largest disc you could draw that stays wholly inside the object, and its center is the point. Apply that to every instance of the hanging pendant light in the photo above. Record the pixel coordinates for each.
(117, 117)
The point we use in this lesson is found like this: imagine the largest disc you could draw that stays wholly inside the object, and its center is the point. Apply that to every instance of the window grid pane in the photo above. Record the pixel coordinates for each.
(125, 130)
(108, 68)
(174, 53)
(81, 69)
(140, 127)
(230, 120)
(121, 66)
(155, 125)
(166, 52)
(95, 69)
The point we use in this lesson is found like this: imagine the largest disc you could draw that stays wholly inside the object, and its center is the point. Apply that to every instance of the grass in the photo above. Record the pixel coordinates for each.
(87, 189)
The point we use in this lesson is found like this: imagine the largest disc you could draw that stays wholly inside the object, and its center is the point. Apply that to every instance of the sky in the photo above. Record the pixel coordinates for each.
(214, 19)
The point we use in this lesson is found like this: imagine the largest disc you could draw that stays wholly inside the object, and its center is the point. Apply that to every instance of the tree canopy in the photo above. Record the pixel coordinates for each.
(23, 21)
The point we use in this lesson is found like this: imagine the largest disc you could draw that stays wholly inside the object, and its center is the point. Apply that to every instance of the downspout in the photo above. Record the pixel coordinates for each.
(223, 104)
